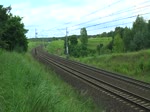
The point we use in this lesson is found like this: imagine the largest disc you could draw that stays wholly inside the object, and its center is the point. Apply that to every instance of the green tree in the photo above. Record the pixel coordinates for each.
(66, 43)
(110, 45)
(140, 30)
(139, 24)
(118, 45)
(149, 25)
(12, 32)
(127, 38)
(110, 34)
(73, 48)
(119, 30)
(83, 37)
(84, 41)
(4, 15)
(99, 47)
(148, 35)
(104, 34)
(73, 40)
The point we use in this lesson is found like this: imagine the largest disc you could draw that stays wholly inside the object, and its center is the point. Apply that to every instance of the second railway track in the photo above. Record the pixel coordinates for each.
(133, 93)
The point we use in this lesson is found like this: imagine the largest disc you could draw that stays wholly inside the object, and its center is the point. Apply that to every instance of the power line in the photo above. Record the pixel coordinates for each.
(112, 26)
(103, 8)
(119, 12)
(112, 14)
(113, 21)
(114, 3)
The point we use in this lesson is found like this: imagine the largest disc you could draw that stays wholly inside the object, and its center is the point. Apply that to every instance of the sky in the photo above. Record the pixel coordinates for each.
(51, 18)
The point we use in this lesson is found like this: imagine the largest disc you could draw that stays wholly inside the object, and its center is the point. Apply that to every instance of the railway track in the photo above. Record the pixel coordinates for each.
(133, 93)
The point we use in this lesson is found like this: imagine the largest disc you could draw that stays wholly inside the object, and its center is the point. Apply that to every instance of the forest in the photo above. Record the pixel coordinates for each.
(123, 40)
(12, 31)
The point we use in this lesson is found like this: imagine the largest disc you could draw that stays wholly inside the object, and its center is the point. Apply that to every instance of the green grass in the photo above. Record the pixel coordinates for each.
(93, 42)
(135, 65)
(33, 44)
(26, 86)
(56, 47)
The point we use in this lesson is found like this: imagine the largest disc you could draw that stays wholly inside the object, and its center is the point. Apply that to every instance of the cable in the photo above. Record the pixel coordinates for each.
(103, 8)
(111, 26)
(119, 12)
(97, 10)
(133, 8)
(112, 21)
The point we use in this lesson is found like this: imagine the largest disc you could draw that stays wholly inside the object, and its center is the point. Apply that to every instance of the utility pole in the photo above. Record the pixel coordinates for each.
(36, 33)
(67, 51)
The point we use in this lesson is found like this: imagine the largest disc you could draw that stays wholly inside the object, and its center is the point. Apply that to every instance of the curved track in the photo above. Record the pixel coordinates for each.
(131, 92)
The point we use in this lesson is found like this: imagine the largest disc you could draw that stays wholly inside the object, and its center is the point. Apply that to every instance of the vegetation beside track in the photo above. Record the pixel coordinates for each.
(57, 46)
(27, 86)
(134, 64)
(93, 42)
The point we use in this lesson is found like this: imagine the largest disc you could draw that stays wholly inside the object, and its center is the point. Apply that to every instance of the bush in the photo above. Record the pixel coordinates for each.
(12, 31)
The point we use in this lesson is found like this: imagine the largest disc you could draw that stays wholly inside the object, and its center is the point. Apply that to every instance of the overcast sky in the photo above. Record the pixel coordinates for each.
(50, 18)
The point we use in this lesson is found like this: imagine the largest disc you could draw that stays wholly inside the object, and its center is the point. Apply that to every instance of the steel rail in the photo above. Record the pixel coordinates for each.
(119, 92)
(108, 73)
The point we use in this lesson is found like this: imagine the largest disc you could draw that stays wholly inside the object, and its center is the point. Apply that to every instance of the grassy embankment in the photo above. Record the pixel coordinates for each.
(26, 86)
(93, 42)
(135, 64)
(57, 46)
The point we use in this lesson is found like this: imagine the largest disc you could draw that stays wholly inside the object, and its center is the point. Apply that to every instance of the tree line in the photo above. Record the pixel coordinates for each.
(123, 40)
(77, 49)
(12, 31)
(131, 39)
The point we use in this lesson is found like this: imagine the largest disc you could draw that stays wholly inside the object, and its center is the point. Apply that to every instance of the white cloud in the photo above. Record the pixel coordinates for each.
(58, 12)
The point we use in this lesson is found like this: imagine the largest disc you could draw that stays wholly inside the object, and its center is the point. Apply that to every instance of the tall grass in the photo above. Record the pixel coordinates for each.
(135, 64)
(93, 42)
(56, 47)
(33, 44)
(26, 86)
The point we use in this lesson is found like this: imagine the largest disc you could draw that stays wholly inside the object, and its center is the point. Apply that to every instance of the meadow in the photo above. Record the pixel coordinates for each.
(93, 42)
(57, 46)
(28, 86)
(133, 64)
